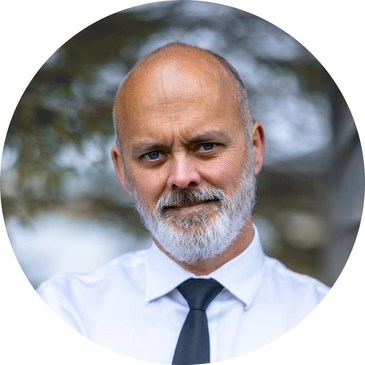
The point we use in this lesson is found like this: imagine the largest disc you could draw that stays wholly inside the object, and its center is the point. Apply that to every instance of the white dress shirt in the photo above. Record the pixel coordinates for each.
(131, 305)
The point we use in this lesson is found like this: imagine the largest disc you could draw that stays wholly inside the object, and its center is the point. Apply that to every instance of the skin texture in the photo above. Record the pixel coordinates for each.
(180, 128)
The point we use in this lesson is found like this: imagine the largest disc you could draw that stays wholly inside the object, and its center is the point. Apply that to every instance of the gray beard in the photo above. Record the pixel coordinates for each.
(201, 235)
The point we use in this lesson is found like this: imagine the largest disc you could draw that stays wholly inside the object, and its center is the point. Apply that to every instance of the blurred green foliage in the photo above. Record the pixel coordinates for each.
(63, 106)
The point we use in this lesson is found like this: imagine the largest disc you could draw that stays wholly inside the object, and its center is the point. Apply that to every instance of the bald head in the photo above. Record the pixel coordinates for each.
(177, 73)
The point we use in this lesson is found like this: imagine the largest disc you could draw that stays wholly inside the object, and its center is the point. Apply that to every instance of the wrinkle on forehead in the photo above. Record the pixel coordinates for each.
(169, 81)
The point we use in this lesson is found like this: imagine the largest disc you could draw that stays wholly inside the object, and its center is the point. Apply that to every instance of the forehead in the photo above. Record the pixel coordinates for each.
(176, 91)
(176, 75)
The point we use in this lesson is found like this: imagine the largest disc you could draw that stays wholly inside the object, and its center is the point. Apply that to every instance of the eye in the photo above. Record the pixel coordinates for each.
(207, 146)
(154, 155)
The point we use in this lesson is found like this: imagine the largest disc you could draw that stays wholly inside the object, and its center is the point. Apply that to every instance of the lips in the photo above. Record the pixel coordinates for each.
(190, 204)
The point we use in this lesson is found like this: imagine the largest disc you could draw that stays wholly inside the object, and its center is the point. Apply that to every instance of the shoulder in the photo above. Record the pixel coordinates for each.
(285, 297)
(126, 270)
(77, 298)
(293, 285)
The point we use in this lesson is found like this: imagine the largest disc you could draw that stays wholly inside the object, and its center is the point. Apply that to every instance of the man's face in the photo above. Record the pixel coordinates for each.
(182, 133)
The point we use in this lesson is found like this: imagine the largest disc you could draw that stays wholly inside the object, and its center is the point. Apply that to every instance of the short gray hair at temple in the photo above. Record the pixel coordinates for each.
(242, 97)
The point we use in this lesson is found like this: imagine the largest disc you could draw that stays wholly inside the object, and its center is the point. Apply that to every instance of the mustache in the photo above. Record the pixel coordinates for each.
(188, 196)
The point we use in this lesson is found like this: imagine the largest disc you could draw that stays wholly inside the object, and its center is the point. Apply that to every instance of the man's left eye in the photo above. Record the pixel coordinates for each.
(207, 146)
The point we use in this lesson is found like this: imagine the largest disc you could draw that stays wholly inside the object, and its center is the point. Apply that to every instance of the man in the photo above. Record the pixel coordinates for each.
(187, 151)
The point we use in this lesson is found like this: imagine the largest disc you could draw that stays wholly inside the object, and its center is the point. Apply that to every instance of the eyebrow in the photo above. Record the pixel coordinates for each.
(139, 149)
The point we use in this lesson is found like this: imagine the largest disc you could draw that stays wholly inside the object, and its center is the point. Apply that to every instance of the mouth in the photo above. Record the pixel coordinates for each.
(191, 207)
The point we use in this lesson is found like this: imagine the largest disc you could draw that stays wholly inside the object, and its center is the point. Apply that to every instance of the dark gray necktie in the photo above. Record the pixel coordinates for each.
(193, 343)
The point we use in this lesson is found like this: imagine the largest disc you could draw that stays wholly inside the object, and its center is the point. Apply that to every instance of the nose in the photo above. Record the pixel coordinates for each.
(183, 174)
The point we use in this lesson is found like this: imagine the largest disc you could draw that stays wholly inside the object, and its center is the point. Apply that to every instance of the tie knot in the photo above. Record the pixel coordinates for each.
(199, 292)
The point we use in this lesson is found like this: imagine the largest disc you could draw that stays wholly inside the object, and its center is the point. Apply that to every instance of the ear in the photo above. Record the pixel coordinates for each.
(258, 145)
(118, 165)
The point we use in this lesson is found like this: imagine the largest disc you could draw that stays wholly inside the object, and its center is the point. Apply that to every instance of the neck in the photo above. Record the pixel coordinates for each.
(200, 267)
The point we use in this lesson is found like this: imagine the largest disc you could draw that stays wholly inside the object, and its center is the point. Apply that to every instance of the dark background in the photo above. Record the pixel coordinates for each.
(63, 206)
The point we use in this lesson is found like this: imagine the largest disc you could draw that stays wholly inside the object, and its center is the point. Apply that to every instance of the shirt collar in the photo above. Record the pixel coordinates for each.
(241, 276)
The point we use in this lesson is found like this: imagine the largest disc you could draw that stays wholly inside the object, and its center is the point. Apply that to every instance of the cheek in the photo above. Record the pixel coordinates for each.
(225, 173)
(149, 185)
